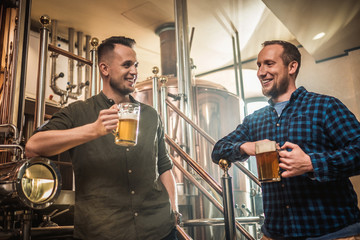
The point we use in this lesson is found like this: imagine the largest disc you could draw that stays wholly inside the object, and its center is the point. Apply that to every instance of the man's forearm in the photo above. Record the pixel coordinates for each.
(52, 142)
(168, 179)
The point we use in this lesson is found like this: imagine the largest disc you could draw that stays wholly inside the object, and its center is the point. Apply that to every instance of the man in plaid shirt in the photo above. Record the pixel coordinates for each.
(315, 198)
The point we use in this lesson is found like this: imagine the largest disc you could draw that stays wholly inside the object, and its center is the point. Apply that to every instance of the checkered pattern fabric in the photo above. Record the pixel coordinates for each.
(330, 134)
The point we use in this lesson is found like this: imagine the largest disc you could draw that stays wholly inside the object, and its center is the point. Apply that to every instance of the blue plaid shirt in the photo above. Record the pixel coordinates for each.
(311, 204)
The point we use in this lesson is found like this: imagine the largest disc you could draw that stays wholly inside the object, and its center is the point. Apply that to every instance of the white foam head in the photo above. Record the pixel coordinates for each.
(266, 146)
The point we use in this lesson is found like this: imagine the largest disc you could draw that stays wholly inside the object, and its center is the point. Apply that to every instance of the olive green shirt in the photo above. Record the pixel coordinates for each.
(118, 191)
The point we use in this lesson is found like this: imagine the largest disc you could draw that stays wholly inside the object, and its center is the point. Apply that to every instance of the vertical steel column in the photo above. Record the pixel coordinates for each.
(80, 47)
(163, 95)
(240, 74)
(26, 224)
(40, 90)
(71, 47)
(87, 67)
(21, 42)
(53, 55)
(94, 43)
(236, 68)
(184, 69)
(228, 201)
(155, 78)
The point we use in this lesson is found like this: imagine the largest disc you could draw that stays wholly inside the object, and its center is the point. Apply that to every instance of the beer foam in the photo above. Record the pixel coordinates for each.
(266, 146)
(128, 116)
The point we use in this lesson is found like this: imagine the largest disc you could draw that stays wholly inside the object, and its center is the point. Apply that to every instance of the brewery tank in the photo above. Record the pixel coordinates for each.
(217, 112)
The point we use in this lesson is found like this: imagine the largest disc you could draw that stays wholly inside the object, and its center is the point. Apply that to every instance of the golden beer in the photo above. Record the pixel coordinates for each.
(127, 128)
(267, 159)
(126, 132)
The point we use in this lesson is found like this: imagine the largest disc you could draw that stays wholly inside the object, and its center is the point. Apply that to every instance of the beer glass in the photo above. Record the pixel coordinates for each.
(126, 133)
(267, 159)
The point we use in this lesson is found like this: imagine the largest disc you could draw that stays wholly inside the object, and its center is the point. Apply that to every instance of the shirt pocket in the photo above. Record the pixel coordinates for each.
(300, 129)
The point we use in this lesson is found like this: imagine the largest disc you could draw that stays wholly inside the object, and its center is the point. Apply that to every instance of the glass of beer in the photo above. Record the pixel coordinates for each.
(267, 159)
(128, 126)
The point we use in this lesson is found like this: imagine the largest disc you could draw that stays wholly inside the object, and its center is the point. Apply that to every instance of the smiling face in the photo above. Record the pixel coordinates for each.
(119, 71)
(276, 78)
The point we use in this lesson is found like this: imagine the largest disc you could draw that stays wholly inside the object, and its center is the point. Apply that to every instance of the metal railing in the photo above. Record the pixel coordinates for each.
(228, 209)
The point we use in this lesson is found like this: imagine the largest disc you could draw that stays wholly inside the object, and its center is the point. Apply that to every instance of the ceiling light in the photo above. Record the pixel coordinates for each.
(318, 36)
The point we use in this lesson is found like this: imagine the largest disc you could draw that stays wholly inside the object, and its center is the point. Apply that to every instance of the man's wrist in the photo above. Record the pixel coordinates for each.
(177, 216)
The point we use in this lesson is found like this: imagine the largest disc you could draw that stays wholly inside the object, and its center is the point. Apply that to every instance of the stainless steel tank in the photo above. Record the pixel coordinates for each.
(217, 112)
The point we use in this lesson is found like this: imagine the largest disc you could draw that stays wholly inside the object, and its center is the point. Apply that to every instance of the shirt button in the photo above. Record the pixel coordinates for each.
(283, 185)
(136, 214)
(132, 192)
(130, 171)
(278, 124)
(127, 149)
(287, 206)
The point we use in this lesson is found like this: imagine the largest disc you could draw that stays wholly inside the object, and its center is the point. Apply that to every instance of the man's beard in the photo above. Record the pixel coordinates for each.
(277, 89)
(123, 91)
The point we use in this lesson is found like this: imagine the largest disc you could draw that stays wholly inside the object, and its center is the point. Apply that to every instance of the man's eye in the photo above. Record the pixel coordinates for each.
(136, 64)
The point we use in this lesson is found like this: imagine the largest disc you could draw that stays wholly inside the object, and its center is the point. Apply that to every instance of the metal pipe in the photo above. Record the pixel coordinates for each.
(182, 233)
(21, 41)
(212, 141)
(53, 55)
(71, 62)
(16, 133)
(51, 231)
(87, 68)
(184, 71)
(240, 74)
(189, 121)
(65, 53)
(247, 173)
(228, 202)
(155, 78)
(4, 146)
(204, 175)
(94, 43)
(163, 95)
(80, 47)
(40, 90)
(220, 221)
(202, 189)
(235, 67)
(187, 76)
(26, 225)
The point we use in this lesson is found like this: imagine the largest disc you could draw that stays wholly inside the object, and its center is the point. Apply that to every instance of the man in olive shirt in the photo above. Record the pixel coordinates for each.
(121, 192)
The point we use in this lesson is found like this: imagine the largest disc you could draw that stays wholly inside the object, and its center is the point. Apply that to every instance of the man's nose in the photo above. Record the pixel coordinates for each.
(261, 71)
(133, 69)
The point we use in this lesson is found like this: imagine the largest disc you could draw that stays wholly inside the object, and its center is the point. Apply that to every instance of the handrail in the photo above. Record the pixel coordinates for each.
(220, 221)
(247, 173)
(205, 176)
(216, 186)
(202, 132)
(65, 53)
(183, 233)
(198, 185)
(211, 140)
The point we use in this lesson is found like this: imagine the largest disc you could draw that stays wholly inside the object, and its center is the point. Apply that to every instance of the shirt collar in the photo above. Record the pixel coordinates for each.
(111, 102)
(295, 95)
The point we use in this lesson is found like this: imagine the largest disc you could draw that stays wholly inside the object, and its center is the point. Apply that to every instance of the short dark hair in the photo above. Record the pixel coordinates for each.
(109, 44)
(291, 52)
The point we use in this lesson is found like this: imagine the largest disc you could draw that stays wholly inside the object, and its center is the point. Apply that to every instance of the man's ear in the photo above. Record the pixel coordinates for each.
(293, 66)
(104, 69)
